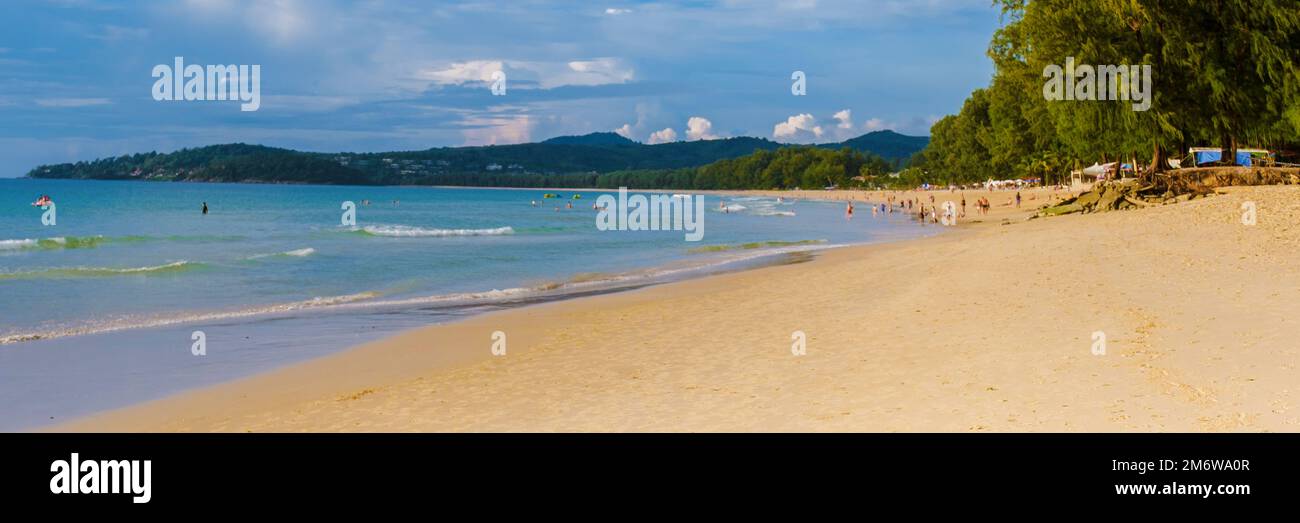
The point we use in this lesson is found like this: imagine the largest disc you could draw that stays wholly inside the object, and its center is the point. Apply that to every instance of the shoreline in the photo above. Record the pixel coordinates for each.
(745, 265)
(988, 328)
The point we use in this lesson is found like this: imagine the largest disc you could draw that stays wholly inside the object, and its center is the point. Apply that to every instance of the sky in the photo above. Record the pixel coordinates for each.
(77, 76)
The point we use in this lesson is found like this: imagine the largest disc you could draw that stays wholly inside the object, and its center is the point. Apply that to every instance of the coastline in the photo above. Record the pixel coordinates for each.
(914, 335)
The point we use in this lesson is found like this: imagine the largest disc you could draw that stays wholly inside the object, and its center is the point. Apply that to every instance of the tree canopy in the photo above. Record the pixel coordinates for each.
(1223, 74)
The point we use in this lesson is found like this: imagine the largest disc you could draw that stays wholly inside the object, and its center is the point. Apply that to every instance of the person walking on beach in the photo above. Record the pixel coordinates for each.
(963, 205)
(1017, 199)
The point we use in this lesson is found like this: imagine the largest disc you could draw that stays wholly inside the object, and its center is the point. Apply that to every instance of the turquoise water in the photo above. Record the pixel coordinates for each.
(98, 309)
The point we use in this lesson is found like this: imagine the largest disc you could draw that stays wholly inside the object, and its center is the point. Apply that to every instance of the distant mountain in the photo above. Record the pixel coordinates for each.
(497, 165)
(886, 144)
(592, 139)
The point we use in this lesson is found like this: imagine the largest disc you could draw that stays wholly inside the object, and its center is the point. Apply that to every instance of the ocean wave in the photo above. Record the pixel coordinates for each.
(90, 242)
(296, 253)
(773, 213)
(579, 283)
(127, 323)
(753, 245)
(92, 272)
(406, 231)
(13, 245)
(732, 207)
(57, 242)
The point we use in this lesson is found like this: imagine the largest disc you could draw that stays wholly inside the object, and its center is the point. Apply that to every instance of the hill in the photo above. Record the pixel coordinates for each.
(886, 144)
(591, 139)
(564, 160)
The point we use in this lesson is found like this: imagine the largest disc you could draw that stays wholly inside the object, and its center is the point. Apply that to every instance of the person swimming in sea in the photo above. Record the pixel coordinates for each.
(205, 207)
(43, 201)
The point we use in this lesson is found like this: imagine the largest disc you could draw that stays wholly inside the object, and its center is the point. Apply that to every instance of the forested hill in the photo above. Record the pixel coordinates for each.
(557, 159)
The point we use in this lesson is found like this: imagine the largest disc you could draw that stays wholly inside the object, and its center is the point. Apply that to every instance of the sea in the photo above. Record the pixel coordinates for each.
(106, 306)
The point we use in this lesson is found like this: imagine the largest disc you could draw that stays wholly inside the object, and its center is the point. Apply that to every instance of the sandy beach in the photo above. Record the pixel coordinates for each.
(989, 327)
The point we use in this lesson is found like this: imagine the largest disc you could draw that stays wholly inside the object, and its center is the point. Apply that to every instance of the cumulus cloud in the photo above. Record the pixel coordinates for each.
(875, 124)
(698, 128)
(625, 131)
(845, 119)
(800, 127)
(663, 136)
(617, 11)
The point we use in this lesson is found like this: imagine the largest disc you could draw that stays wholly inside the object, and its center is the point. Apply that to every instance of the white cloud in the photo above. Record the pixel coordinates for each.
(800, 127)
(845, 117)
(698, 128)
(498, 130)
(600, 71)
(664, 136)
(617, 11)
(71, 102)
(875, 124)
(547, 75)
(464, 72)
(625, 131)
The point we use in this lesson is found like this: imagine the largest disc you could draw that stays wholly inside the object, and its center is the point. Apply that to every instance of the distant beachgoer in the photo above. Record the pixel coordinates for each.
(205, 207)
(849, 210)
(1017, 199)
(963, 205)
(534, 202)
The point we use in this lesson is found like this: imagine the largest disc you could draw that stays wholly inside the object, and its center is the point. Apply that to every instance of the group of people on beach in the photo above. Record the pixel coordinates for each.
(930, 211)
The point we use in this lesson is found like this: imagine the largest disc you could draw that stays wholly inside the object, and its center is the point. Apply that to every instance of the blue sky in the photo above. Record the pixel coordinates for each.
(75, 75)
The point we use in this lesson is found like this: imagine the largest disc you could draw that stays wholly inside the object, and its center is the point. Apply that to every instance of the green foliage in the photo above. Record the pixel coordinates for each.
(1223, 73)
(217, 163)
(597, 160)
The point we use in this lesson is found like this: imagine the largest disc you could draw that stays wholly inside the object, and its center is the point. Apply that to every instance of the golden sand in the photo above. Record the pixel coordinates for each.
(986, 328)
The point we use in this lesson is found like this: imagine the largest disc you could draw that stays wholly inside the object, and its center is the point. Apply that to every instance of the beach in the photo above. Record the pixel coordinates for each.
(990, 327)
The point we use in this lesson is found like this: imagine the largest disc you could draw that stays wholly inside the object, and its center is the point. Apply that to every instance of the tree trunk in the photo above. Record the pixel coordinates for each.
(1158, 159)
(1228, 151)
